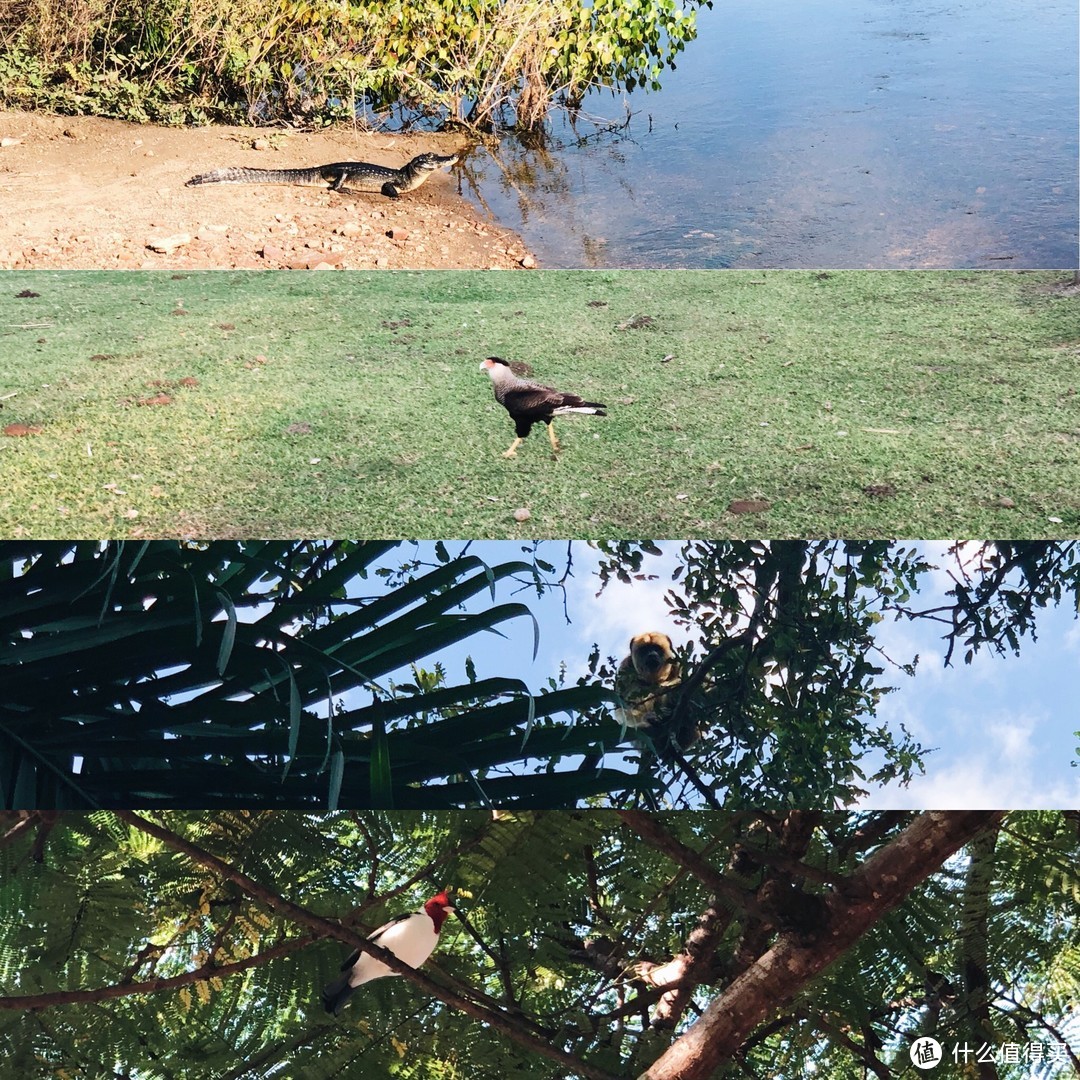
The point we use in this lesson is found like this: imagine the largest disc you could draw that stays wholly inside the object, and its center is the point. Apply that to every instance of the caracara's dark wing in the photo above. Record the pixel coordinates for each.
(532, 402)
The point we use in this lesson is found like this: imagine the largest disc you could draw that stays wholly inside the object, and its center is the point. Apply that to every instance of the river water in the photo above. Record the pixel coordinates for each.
(819, 133)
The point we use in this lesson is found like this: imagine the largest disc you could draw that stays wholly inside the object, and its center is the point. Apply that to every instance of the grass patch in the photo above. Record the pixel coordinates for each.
(856, 403)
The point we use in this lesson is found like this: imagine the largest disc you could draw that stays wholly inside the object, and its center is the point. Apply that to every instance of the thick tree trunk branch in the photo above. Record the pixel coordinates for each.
(774, 979)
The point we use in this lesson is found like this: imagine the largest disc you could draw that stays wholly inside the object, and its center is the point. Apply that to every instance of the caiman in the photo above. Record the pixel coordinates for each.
(338, 176)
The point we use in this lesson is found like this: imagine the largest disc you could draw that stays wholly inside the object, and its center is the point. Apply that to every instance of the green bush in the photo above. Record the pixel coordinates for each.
(480, 63)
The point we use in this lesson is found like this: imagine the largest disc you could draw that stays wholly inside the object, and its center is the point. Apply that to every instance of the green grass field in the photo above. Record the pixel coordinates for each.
(854, 403)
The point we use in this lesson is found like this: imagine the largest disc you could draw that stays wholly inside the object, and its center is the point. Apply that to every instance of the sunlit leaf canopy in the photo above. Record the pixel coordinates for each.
(154, 945)
(311, 674)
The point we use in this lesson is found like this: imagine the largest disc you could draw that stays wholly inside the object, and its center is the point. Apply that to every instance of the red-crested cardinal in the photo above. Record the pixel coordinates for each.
(411, 938)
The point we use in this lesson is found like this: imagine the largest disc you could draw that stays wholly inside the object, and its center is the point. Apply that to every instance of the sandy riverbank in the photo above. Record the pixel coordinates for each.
(92, 193)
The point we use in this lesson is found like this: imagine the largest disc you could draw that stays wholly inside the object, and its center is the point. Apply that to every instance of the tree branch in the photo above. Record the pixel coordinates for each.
(649, 828)
(29, 1002)
(515, 1030)
(776, 977)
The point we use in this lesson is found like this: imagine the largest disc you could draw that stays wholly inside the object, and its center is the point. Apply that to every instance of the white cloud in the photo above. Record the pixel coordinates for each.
(1012, 738)
(621, 610)
(977, 784)
(951, 560)
(995, 772)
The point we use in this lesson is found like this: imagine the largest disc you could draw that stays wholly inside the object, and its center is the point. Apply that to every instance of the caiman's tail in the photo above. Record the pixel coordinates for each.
(260, 176)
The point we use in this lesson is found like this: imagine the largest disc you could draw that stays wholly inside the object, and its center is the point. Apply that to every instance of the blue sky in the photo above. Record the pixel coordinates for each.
(1002, 727)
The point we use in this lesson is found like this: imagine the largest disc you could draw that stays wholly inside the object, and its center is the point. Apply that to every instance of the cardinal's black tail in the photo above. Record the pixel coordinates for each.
(335, 995)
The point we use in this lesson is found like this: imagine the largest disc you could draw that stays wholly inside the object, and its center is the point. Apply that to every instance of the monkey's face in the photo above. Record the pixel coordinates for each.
(647, 686)
(651, 652)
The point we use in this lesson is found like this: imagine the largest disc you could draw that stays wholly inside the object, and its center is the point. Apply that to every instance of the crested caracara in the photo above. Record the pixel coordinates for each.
(529, 402)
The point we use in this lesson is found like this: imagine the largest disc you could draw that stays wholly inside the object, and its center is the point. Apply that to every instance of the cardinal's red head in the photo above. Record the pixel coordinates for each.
(437, 908)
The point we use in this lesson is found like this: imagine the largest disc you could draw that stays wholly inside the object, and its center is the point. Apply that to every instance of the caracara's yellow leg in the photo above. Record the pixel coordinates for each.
(513, 448)
(551, 436)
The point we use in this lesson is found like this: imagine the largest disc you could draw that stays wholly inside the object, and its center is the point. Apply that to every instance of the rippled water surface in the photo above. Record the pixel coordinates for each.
(819, 133)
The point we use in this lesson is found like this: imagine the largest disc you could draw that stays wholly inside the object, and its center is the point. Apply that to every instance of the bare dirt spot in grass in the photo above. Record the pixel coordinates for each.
(1062, 288)
(748, 506)
(637, 322)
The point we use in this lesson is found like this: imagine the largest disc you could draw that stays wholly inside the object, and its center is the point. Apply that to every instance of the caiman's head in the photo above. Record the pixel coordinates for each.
(431, 162)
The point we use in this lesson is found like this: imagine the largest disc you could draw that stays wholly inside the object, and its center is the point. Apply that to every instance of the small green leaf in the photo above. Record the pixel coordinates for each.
(382, 788)
(228, 636)
(337, 774)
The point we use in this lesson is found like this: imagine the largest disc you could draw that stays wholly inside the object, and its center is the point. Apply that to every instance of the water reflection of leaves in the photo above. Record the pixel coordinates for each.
(537, 171)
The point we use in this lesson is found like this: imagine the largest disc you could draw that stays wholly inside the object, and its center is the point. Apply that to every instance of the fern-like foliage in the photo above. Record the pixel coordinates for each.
(127, 953)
